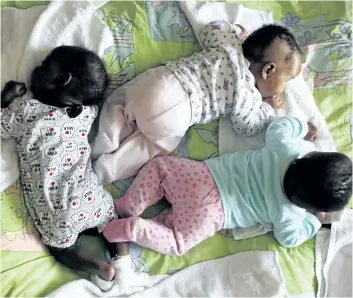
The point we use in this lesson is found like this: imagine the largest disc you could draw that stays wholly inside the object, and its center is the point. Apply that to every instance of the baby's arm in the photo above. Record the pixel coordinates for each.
(11, 115)
(285, 131)
(11, 90)
(11, 118)
(220, 32)
(295, 232)
(250, 117)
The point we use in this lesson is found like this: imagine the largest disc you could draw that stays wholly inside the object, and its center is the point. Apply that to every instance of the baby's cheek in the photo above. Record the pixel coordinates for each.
(278, 84)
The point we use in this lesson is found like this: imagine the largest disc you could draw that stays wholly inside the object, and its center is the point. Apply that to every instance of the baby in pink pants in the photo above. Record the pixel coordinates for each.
(271, 185)
(196, 213)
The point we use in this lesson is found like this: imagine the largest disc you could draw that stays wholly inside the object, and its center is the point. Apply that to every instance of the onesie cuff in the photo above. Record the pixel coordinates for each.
(304, 131)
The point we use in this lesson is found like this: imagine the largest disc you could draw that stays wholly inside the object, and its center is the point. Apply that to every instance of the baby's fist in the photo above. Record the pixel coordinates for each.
(312, 134)
(320, 216)
(275, 101)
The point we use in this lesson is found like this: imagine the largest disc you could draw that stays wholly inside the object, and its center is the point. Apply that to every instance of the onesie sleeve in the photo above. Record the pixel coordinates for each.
(11, 120)
(217, 33)
(294, 232)
(285, 131)
(250, 115)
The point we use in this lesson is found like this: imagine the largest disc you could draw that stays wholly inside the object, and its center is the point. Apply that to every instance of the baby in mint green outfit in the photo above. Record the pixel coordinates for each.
(271, 185)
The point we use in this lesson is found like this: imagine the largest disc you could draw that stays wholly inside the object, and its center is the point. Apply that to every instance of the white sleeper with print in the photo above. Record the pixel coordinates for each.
(61, 190)
(219, 82)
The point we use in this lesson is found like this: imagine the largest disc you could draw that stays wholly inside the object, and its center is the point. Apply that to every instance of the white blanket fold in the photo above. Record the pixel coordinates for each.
(247, 274)
(27, 36)
(333, 258)
(200, 14)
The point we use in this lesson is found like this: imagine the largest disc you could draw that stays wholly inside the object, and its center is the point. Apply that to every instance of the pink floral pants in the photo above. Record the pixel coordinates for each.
(195, 215)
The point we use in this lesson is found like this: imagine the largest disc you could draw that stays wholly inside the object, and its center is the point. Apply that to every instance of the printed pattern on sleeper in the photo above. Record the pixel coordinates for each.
(219, 83)
(59, 186)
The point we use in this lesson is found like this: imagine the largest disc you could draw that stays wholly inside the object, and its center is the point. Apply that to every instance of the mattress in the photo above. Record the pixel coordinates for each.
(146, 33)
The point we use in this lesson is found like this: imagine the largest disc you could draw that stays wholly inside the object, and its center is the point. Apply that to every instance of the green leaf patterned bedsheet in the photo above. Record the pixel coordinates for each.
(147, 33)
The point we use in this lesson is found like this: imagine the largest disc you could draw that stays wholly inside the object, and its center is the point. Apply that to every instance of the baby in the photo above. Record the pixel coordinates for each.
(61, 191)
(148, 116)
(269, 185)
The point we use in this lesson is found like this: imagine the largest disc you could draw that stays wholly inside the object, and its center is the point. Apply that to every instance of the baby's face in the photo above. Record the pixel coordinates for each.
(273, 86)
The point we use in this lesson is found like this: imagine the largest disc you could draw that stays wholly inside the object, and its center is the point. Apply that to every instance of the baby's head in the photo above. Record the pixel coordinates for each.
(69, 76)
(319, 181)
(274, 57)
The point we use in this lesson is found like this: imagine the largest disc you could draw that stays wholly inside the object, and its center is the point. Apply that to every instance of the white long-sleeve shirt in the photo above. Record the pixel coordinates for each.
(219, 82)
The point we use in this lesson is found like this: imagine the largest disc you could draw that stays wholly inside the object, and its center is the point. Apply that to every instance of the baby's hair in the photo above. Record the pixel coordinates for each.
(320, 181)
(257, 42)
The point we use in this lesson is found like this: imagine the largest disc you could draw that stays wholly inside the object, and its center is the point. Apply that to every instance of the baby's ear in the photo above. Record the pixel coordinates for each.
(62, 79)
(268, 70)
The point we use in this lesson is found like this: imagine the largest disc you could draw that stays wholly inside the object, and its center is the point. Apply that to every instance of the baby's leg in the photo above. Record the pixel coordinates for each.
(146, 190)
(161, 108)
(176, 178)
(196, 212)
(125, 162)
(116, 249)
(76, 258)
(114, 125)
(182, 230)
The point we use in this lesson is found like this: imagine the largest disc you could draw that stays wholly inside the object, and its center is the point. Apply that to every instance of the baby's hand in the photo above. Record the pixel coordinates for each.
(244, 32)
(312, 134)
(275, 101)
(320, 216)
